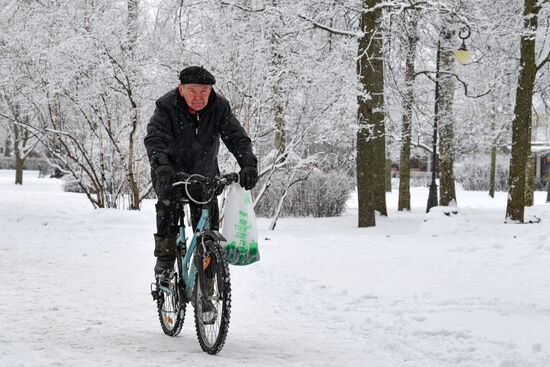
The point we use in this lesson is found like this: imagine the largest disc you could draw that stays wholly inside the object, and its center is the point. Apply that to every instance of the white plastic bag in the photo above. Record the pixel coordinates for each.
(239, 227)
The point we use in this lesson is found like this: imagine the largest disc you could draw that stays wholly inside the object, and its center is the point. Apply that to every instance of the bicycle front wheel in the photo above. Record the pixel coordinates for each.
(213, 306)
(171, 307)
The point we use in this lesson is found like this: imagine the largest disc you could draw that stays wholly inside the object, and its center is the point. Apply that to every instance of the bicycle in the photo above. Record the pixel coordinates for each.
(201, 275)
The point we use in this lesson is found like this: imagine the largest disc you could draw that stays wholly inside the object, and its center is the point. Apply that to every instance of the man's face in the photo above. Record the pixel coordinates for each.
(196, 95)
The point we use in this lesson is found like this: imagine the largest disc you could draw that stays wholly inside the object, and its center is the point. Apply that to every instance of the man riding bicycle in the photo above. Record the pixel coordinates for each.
(183, 135)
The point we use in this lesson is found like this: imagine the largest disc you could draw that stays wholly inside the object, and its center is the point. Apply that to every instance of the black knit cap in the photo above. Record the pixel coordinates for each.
(196, 75)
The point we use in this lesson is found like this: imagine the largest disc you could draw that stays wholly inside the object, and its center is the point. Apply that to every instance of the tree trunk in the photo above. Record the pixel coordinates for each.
(529, 181)
(404, 201)
(387, 175)
(17, 150)
(135, 199)
(447, 194)
(370, 159)
(7, 148)
(529, 177)
(492, 182)
(515, 208)
(19, 170)
(278, 103)
(133, 26)
(273, 223)
(492, 174)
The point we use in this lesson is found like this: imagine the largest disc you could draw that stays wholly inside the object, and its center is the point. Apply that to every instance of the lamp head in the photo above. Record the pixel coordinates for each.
(463, 55)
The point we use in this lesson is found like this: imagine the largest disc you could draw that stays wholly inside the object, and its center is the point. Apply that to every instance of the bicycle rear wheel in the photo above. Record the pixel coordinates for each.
(171, 307)
(212, 310)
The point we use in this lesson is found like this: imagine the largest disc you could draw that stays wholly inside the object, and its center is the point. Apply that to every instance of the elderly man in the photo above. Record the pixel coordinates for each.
(184, 136)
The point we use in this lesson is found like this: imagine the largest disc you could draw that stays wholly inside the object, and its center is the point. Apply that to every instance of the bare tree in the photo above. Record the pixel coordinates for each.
(404, 201)
(515, 208)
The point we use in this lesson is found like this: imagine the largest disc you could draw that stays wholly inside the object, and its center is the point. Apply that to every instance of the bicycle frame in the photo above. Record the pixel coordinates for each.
(188, 269)
(186, 263)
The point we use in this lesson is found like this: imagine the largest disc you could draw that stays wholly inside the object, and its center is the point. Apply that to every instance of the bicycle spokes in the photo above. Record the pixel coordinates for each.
(213, 301)
(170, 305)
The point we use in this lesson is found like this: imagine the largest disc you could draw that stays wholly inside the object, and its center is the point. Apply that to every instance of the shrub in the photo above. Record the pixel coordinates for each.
(323, 194)
(475, 176)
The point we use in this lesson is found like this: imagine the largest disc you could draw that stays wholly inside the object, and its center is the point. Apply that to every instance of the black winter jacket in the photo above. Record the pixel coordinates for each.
(190, 143)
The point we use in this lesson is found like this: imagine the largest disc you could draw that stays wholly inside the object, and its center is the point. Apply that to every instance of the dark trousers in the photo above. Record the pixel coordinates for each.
(167, 216)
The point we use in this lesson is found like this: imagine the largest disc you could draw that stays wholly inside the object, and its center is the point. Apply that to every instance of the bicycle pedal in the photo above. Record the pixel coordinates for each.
(155, 295)
(155, 292)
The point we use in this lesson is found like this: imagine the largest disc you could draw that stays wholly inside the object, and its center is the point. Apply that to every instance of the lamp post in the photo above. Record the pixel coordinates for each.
(462, 56)
(432, 196)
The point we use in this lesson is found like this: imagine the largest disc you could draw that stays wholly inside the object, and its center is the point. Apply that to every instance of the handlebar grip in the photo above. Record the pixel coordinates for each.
(232, 177)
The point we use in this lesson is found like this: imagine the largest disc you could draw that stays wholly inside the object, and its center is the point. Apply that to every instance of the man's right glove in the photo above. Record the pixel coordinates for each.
(165, 178)
(248, 177)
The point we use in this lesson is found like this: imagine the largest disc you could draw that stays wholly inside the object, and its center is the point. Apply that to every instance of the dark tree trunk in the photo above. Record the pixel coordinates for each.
(370, 134)
(277, 92)
(133, 28)
(447, 194)
(404, 201)
(19, 170)
(515, 208)
(19, 143)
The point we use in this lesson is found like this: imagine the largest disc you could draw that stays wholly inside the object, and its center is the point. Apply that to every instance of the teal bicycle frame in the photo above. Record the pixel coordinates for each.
(186, 263)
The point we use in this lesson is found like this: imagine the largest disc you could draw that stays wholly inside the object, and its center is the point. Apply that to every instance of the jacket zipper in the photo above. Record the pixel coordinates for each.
(197, 125)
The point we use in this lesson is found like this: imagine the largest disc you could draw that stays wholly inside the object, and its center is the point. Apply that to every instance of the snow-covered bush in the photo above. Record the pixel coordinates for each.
(70, 184)
(321, 195)
(475, 176)
(420, 179)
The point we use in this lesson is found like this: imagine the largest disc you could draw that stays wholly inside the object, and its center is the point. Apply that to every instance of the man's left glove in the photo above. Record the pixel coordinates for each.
(248, 177)
(165, 178)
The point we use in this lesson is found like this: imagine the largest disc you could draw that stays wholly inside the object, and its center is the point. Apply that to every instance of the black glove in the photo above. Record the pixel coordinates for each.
(165, 178)
(248, 177)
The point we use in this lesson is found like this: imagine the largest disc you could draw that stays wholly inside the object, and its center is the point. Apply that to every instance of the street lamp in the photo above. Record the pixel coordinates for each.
(462, 56)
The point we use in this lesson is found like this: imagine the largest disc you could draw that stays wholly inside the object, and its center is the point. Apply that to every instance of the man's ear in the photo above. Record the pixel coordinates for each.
(180, 89)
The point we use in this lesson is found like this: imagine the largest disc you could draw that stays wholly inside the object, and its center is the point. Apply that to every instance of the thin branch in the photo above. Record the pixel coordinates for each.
(543, 62)
(243, 8)
(427, 74)
(330, 29)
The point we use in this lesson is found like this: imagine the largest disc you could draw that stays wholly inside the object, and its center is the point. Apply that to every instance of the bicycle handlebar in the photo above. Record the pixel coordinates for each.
(183, 178)
(209, 184)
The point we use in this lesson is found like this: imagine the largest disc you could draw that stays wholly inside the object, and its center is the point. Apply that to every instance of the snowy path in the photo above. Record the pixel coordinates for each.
(417, 290)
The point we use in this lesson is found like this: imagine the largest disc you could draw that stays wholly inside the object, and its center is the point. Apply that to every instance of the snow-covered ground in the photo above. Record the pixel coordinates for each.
(416, 290)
